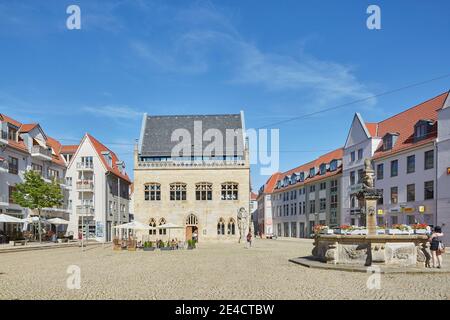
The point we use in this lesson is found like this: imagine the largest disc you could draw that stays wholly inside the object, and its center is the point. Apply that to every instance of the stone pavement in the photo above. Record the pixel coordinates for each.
(312, 262)
(213, 271)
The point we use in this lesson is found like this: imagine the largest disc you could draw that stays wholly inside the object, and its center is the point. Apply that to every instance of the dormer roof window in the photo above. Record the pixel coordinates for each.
(333, 165)
(323, 169)
(312, 172)
(294, 178)
(107, 156)
(422, 129)
(301, 177)
(389, 140)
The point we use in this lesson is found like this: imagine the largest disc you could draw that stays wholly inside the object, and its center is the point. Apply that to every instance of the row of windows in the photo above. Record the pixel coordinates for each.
(300, 208)
(203, 191)
(302, 176)
(353, 155)
(410, 165)
(13, 167)
(292, 195)
(193, 220)
(410, 194)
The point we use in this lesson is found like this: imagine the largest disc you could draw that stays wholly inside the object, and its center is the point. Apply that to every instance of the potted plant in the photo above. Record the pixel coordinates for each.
(191, 244)
(166, 246)
(344, 229)
(148, 246)
(420, 228)
(400, 229)
(381, 230)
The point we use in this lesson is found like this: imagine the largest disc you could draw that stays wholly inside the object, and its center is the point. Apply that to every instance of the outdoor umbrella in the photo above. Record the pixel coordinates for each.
(134, 225)
(169, 226)
(57, 222)
(9, 219)
(32, 220)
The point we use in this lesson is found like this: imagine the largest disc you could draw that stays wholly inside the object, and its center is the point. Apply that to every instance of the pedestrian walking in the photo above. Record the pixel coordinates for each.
(437, 247)
(249, 239)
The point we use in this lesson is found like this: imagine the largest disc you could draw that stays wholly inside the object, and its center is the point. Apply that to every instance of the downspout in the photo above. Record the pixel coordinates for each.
(107, 208)
(436, 171)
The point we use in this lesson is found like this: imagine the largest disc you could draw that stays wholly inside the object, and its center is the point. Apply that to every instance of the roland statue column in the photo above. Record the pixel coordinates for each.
(369, 197)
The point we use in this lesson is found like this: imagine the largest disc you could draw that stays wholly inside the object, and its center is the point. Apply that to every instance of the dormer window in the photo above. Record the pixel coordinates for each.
(333, 165)
(312, 172)
(323, 169)
(12, 133)
(294, 178)
(286, 181)
(301, 177)
(389, 141)
(422, 129)
(107, 156)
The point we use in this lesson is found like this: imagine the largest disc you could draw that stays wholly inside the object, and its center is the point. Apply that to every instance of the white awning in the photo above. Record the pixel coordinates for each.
(42, 144)
(169, 226)
(9, 219)
(134, 225)
(57, 221)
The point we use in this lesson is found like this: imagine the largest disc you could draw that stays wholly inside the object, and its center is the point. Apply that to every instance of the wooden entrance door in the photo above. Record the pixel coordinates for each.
(189, 233)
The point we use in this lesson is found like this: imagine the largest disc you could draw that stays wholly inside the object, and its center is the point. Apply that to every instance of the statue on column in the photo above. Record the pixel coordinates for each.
(242, 222)
(368, 195)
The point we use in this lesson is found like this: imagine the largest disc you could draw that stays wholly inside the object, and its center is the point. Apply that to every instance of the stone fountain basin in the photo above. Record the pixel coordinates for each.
(366, 250)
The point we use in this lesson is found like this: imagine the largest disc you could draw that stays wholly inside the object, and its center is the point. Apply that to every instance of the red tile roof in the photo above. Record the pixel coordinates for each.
(253, 196)
(99, 148)
(5, 118)
(326, 158)
(18, 145)
(24, 128)
(27, 127)
(373, 128)
(56, 146)
(403, 124)
(69, 149)
(270, 183)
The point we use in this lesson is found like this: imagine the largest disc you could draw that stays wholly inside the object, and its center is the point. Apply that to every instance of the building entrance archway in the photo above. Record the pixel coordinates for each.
(192, 227)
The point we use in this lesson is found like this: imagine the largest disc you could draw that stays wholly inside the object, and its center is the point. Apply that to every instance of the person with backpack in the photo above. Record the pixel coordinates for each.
(249, 239)
(437, 247)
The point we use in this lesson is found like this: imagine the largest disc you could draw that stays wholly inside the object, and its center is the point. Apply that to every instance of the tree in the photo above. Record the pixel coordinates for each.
(35, 194)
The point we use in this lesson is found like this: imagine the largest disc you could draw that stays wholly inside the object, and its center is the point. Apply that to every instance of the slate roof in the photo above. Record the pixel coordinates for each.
(157, 133)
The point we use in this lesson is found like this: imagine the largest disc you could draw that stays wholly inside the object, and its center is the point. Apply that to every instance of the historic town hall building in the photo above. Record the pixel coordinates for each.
(193, 172)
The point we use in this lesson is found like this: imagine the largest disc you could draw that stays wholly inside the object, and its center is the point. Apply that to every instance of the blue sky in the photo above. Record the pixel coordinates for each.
(272, 59)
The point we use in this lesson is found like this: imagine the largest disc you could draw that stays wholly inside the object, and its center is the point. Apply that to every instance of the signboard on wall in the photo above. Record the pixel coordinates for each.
(99, 229)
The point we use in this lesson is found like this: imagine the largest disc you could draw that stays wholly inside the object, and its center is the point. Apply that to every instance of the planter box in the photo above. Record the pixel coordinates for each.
(166, 248)
(398, 232)
(359, 232)
(149, 249)
(381, 231)
(420, 231)
(327, 231)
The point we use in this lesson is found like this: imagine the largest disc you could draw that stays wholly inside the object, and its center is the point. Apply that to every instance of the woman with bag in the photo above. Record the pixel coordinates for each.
(437, 247)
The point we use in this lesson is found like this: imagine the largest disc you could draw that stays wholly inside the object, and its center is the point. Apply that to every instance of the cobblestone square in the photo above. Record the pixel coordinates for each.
(213, 271)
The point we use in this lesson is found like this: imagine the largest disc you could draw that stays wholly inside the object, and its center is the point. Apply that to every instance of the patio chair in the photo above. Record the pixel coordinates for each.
(131, 245)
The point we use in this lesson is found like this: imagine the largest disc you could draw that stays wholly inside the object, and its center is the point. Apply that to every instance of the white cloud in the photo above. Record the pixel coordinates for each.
(116, 112)
(207, 40)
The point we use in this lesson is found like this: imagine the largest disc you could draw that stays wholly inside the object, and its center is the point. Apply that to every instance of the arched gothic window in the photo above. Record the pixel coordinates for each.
(231, 227)
(152, 223)
(161, 222)
(221, 227)
(192, 220)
